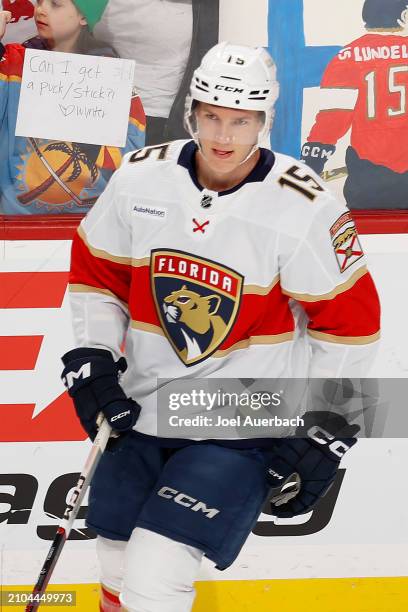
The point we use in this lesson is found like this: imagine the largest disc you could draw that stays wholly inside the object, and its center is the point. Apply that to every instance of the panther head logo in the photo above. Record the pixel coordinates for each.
(197, 302)
(196, 315)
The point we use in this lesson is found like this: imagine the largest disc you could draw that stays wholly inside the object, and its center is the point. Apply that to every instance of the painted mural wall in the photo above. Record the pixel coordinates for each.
(342, 67)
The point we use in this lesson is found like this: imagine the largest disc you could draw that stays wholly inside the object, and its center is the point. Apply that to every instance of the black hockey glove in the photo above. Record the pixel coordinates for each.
(315, 458)
(91, 377)
(316, 154)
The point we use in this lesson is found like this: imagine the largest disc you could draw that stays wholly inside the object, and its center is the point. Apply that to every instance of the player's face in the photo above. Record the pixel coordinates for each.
(226, 135)
(58, 21)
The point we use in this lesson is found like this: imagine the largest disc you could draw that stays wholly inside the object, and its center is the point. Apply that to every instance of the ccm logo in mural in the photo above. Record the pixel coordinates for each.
(16, 508)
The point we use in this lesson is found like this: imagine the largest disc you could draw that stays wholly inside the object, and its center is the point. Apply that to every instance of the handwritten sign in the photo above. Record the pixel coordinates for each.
(75, 98)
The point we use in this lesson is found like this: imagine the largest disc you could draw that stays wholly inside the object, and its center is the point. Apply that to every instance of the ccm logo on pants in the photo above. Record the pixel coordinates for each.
(189, 502)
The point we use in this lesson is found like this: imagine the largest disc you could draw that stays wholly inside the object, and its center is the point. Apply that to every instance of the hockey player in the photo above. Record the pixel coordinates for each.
(364, 90)
(189, 261)
(39, 176)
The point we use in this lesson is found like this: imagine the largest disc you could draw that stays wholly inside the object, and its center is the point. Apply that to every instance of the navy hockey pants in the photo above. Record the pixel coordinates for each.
(203, 495)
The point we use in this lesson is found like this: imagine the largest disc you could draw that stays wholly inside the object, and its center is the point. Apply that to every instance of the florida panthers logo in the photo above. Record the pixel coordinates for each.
(197, 302)
(197, 315)
(346, 244)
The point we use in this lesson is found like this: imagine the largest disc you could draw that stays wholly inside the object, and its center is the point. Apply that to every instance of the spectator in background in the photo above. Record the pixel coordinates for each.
(167, 39)
(40, 176)
(364, 88)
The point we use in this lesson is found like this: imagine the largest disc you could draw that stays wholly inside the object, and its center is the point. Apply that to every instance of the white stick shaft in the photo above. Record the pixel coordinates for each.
(85, 478)
(70, 514)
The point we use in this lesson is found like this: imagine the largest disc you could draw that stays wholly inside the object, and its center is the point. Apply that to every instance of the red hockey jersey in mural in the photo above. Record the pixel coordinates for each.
(364, 88)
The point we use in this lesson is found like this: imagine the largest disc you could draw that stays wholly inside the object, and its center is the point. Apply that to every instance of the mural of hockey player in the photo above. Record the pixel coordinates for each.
(364, 89)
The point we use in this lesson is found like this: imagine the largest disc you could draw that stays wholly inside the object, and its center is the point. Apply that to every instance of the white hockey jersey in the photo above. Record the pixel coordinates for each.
(191, 283)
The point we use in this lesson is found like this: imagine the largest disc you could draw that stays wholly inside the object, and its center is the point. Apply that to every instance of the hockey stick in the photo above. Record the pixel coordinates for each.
(26, 198)
(70, 514)
(334, 174)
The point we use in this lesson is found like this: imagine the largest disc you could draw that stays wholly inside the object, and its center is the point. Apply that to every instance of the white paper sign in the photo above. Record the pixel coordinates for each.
(75, 98)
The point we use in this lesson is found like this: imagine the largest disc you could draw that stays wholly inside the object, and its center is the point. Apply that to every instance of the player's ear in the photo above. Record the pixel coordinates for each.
(83, 21)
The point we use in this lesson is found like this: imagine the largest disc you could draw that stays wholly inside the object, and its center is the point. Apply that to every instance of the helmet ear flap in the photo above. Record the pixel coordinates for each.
(193, 120)
(190, 121)
(270, 116)
(264, 132)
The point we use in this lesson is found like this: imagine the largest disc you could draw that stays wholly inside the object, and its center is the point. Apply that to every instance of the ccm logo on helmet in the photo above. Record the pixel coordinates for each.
(321, 436)
(188, 502)
(229, 88)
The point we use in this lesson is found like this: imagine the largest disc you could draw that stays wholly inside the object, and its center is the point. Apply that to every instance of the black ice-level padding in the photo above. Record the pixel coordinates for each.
(315, 458)
(91, 377)
(383, 13)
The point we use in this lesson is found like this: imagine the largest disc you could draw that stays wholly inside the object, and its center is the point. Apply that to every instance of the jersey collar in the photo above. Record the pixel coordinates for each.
(258, 173)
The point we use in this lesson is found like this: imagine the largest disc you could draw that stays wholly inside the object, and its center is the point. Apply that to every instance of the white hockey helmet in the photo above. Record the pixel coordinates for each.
(234, 76)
